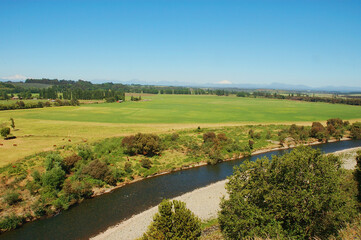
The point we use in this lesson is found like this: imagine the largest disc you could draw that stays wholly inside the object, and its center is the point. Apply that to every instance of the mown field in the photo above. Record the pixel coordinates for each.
(41, 129)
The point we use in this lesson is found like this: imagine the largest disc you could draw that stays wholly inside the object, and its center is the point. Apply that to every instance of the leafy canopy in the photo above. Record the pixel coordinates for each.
(297, 195)
(173, 222)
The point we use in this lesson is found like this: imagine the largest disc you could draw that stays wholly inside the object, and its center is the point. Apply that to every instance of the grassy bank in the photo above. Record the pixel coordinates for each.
(48, 182)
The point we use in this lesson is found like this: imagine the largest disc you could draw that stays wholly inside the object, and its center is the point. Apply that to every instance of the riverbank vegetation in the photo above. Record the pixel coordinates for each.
(48, 182)
(303, 187)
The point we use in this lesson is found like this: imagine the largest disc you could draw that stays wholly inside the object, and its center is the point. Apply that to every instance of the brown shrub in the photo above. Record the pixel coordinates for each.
(146, 144)
(70, 161)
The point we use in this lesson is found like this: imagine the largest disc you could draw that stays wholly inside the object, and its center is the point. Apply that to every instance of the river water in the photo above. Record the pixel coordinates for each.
(95, 215)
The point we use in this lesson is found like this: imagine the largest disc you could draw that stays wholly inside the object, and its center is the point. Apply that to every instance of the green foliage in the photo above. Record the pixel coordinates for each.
(38, 208)
(77, 189)
(11, 197)
(297, 195)
(5, 131)
(146, 163)
(318, 131)
(209, 137)
(12, 123)
(53, 160)
(70, 161)
(356, 130)
(53, 178)
(128, 167)
(173, 222)
(85, 152)
(146, 144)
(99, 170)
(36, 176)
(10, 222)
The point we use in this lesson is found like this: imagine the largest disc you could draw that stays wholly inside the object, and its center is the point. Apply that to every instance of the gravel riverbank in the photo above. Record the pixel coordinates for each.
(204, 202)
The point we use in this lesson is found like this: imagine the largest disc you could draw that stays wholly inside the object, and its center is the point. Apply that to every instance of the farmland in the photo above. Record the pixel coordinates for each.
(41, 129)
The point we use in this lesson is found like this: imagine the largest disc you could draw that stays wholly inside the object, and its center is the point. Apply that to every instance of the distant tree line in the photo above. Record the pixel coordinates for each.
(302, 97)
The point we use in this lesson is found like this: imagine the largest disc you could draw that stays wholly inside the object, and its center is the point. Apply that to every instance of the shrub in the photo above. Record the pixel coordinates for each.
(209, 137)
(36, 176)
(128, 167)
(250, 144)
(53, 178)
(297, 195)
(11, 197)
(318, 131)
(173, 221)
(5, 132)
(174, 136)
(335, 122)
(146, 163)
(356, 130)
(99, 170)
(38, 208)
(222, 137)
(85, 152)
(10, 222)
(215, 157)
(146, 144)
(77, 189)
(70, 161)
(53, 160)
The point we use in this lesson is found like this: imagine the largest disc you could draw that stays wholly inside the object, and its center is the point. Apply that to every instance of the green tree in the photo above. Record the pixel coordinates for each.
(173, 222)
(146, 144)
(5, 132)
(297, 195)
(12, 123)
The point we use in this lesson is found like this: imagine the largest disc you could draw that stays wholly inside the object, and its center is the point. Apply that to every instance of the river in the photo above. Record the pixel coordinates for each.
(95, 215)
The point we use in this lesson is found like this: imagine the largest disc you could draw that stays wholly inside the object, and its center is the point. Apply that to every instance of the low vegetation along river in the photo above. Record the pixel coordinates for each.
(96, 215)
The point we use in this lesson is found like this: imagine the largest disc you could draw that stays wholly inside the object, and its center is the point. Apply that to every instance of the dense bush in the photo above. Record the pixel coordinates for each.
(222, 137)
(53, 160)
(173, 222)
(70, 161)
(99, 170)
(298, 132)
(335, 122)
(318, 131)
(85, 152)
(77, 189)
(5, 132)
(146, 144)
(53, 178)
(209, 137)
(297, 196)
(10, 222)
(128, 167)
(356, 130)
(146, 163)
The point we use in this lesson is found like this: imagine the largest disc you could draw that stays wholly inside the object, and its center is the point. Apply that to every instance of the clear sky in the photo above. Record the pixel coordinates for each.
(315, 43)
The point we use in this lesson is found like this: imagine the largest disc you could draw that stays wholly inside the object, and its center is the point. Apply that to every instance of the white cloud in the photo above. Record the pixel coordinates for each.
(224, 82)
(15, 77)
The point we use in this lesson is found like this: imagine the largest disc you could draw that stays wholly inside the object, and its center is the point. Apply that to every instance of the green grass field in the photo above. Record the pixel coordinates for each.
(192, 109)
(40, 129)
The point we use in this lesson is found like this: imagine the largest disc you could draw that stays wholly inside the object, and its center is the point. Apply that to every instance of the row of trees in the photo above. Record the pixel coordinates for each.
(302, 97)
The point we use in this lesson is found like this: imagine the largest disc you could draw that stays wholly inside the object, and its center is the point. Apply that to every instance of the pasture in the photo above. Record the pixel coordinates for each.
(40, 129)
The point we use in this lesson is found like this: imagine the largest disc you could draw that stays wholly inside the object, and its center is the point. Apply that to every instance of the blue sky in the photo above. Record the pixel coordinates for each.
(315, 43)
